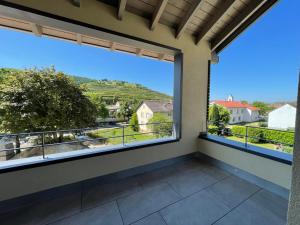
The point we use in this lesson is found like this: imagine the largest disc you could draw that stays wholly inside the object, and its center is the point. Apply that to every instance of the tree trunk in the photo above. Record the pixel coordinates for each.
(61, 137)
(18, 144)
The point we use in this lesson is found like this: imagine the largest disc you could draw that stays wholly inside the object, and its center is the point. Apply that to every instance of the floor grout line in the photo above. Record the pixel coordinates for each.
(183, 198)
(250, 196)
(81, 195)
(120, 212)
(163, 218)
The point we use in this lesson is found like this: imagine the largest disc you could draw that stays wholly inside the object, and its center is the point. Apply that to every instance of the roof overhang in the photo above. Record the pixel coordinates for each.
(217, 22)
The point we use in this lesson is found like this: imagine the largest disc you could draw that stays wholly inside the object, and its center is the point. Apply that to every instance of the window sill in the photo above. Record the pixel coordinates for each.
(251, 149)
(38, 161)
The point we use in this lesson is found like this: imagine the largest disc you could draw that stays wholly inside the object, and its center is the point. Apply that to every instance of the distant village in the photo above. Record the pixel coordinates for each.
(282, 117)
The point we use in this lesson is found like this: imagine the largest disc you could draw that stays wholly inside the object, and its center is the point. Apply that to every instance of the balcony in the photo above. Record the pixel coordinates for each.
(186, 192)
(178, 179)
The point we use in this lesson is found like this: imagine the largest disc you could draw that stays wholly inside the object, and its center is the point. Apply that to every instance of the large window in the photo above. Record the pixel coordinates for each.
(258, 74)
(62, 98)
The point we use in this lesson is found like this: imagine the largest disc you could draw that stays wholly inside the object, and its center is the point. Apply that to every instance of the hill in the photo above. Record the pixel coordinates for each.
(121, 90)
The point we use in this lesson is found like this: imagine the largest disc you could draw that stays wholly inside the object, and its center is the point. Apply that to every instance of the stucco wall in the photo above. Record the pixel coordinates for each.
(144, 114)
(195, 60)
(267, 169)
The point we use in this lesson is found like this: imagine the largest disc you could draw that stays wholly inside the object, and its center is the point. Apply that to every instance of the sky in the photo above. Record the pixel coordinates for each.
(264, 62)
(261, 64)
(22, 50)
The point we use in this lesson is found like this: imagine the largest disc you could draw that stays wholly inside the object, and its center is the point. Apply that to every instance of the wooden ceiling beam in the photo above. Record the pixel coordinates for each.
(112, 46)
(247, 12)
(79, 39)
(223, 8)
(121, 9)
(36, 29)
(76, 3)
(188, 16)
(139, 52)
(157, 13)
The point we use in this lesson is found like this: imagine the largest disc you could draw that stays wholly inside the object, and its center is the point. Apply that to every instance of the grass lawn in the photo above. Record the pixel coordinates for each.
(111, 132)
(271, 146)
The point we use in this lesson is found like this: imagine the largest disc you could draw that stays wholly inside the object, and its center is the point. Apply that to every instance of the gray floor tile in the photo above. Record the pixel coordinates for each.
(156, 177)
(45, 212)
(107, 214)
(215, 172)
(154, 219)
(146, 202)
(191, 181)
(101, 193)
(189, 165)
(233, 190)
(263, 208)
(208, 169)
(199, 209)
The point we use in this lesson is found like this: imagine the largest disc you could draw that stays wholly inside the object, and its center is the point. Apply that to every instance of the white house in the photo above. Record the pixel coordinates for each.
(283, 117)
(147, 109)
(239, 112)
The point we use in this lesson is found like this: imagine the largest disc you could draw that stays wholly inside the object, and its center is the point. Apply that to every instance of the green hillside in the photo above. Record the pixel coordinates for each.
(121, 90)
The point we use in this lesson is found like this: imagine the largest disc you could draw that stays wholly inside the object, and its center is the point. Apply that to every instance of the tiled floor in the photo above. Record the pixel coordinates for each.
(187, 193)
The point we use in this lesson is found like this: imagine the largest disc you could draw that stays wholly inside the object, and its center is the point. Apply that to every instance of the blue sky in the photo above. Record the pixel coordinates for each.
(21, 50)
(263, 63)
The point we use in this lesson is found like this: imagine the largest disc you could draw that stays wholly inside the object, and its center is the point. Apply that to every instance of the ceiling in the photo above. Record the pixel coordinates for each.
(215, 21)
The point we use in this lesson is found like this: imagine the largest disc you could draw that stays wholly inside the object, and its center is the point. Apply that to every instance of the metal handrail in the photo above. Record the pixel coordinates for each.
(246, 136)
(43, 145)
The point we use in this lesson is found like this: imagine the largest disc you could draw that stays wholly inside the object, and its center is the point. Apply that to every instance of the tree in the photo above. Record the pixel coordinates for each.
(213, 115)
(134, 122)
(264, 108)
(218, 115)
(125, 110)
(244, 102)
(103, 111)
(161, 125)
(41, 100)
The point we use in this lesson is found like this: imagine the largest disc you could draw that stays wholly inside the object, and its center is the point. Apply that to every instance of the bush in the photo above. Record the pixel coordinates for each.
(262, 124)
(255, 135)
(279, 136)
(161, 125)
(134, 122)
(259, 135)
(238, 131)
(212, 129)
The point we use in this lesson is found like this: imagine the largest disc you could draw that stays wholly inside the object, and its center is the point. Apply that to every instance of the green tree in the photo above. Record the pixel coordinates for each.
(161, 125)
(125, 110)
(244, 102)
(213, 115)
(102, 111)
(134, 122)
(218, 115)
(264, 108)
(41, 100)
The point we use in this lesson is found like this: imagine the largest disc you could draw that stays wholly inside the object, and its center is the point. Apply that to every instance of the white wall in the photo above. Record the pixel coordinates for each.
(270, 170)
(144, 114)
(282, 118)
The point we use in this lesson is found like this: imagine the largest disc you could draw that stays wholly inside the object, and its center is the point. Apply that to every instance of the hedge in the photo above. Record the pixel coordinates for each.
(213, 129)
(259, 135)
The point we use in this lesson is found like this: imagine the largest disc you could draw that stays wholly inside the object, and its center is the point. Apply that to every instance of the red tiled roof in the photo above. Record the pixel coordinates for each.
(235, 104)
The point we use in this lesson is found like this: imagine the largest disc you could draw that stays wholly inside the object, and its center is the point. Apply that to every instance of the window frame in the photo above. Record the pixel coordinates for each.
(37, 16)
(251, 149)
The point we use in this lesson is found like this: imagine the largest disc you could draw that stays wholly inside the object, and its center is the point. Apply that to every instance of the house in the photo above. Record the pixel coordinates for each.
(147, 109)
(112, 111)
(283, 117)
(239, 111)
